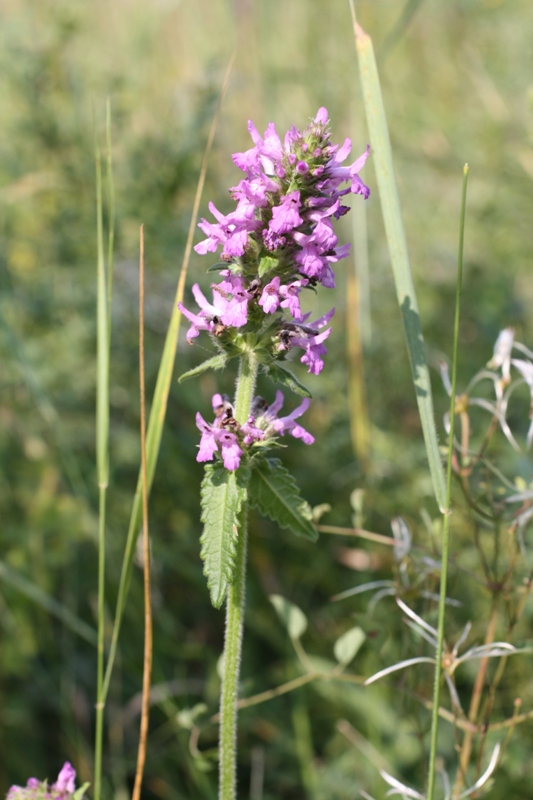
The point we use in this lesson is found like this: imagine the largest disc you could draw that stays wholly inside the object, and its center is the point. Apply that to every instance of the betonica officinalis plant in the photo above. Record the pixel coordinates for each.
(278, 244)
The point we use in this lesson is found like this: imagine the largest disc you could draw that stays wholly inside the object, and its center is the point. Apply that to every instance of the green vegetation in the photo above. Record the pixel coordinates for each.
(457, 88)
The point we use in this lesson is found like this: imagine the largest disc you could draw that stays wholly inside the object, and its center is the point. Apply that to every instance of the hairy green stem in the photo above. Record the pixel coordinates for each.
(447, 512)
(235, 612)
(232, 663)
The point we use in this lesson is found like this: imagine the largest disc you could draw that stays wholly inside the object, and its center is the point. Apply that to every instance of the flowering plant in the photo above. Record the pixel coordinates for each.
(63, 789)
(277, 243)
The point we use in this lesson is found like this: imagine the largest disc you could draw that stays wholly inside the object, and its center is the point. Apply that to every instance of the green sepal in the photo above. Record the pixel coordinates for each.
(274, 493)
(281, 375)
(266, 265)
(78, 794)
(217, 362)
(223, 493)
(218, 266)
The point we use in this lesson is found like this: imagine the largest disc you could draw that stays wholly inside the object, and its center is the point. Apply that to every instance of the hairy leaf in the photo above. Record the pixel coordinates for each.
(281, 375)
(223, 493)
(217, 362)
(274, 493)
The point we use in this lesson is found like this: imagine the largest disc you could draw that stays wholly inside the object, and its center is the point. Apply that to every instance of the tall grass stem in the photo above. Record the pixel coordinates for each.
(102, 461)
(110, 212)
(147, 664)
(447, 513)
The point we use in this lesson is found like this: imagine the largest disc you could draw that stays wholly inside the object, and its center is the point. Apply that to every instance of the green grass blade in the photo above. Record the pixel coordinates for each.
(160, 399)
(102, 460)
(102, 356)
(110, 212)
(446, 526)
(390, 204)
(49, 604)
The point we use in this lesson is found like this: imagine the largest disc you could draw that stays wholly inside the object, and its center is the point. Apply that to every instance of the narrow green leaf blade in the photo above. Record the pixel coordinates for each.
(390, 205)
(223, 493)
(217, 362)
(49, 604)
(274, 493)
(281, 375)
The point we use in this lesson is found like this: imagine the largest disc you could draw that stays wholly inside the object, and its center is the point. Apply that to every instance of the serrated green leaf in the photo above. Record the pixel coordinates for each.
(273, 492)
(217, 362)
(291, 616)
(281, 375)
(223, 493)
(347, 646)
(267, 264)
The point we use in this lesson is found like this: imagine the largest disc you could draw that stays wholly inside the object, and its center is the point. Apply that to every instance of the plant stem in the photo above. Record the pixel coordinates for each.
(447, 512)
(235, 612)
(232, 663)
(102, 446)
(475, 701)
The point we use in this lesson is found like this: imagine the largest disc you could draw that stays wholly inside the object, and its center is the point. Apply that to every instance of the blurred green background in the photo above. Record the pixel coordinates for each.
(457, 83)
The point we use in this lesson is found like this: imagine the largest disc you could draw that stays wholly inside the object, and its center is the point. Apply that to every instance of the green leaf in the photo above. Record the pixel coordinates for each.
(217, 362)
(273, 492)
(281, 375)
(48, 603)
(223, 493)
(291, 616)
(347, 645)
(397, 242)
(218, 266)
(267, 264)
(78, 794)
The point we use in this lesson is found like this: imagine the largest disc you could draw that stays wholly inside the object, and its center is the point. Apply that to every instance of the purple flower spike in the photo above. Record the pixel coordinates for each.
(63, 789)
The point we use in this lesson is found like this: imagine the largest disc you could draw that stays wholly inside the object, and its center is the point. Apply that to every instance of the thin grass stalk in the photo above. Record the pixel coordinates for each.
(358, 409)
(159, 404)
(362, 270)
(102, 461)
(235, 605)
(390, 205)
(147, 665)
(110, 211)
(475, 701)
(447, 513)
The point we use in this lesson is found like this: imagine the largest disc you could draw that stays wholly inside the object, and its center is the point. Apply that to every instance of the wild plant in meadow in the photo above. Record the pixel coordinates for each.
(276, 245)
(63, 789)
(501, 508)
